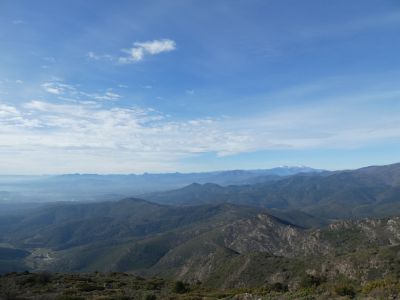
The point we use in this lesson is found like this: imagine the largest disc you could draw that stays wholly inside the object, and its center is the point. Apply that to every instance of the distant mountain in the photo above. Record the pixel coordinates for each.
(94, 187)
(367, 192)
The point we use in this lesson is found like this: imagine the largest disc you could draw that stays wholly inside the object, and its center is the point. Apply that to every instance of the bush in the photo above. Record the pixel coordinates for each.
(310, 281)
(379, 284)
(345, 289)
(8, 292)
(150, 297)
(66, 297)
(43, 278)
(275, 287)
(88, 287)
(180, 287)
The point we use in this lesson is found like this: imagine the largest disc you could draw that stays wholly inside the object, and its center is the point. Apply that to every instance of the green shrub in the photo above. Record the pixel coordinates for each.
(150, 297)
(345, 289)
(43, 278)
(87, 287)
(180, 287)
(66, 297)
(310, 281)
(275, 287)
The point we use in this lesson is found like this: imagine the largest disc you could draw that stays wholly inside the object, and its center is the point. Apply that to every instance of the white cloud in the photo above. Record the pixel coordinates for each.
(90, 133)
(156, 46)
(57, 88)
(111, 96)
(141, 49)
(7, 111)
(138, 52)
(105, 136)
(88, 137)
(94, 56)
(72, 93)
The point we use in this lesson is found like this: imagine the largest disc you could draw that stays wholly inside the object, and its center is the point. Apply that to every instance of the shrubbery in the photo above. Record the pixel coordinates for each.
(345, 289)
(311, 281)
(180, 287)
(275, 287)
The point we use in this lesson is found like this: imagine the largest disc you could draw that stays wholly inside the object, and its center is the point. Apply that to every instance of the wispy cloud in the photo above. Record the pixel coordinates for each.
(138, 52)
(140, 136)
(110, 96)
(57, 88)
(67, 91)
(126, 139)
(94, 56)
(142, 49)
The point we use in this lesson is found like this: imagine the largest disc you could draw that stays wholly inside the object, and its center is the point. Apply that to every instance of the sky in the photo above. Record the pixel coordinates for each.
(162, 86)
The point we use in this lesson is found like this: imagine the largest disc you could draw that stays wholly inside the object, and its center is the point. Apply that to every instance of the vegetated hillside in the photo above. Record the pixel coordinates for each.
(366, 192)
(131, 233)
(222, 246)
(115, 285)
(96, 187)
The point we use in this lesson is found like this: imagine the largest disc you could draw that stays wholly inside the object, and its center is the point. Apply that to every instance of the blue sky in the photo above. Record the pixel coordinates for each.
(159, 86)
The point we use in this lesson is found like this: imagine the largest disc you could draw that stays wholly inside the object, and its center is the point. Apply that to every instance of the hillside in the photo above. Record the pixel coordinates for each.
(223, 246)
(128, 234)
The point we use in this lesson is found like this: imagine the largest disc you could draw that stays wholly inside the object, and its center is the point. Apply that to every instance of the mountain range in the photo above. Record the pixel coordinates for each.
(366, 192)
(96, 187)
(325, 227)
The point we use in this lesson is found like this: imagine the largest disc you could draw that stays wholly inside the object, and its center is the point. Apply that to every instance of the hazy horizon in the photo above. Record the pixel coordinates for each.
(194, 171)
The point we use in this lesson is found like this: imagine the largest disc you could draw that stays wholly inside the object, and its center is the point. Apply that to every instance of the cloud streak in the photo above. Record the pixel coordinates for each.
(66, 91)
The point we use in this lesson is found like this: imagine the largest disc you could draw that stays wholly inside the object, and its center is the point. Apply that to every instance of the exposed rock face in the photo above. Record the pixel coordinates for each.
(246, 248)
(268, 235)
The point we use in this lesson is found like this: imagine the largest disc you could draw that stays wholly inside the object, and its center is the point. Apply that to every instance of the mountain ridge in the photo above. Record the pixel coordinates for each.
(366, 192)
(97, 187)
